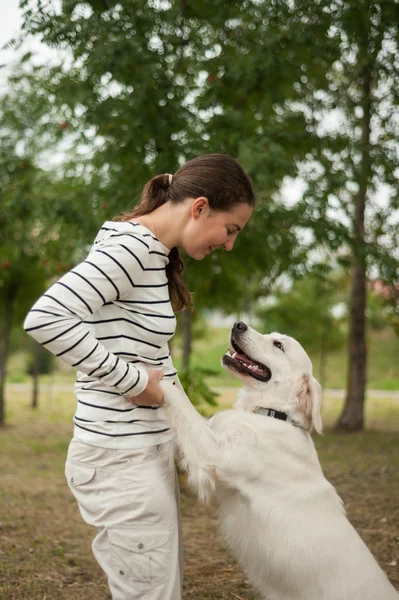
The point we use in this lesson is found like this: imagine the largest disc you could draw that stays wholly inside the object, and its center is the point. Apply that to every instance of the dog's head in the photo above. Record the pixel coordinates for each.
(278, 369)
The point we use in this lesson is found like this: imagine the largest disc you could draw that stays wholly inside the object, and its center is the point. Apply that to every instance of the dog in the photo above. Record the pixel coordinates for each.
(283, 520)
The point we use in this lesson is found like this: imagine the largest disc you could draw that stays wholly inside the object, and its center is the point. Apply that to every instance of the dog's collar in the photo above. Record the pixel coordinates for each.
(276, 414)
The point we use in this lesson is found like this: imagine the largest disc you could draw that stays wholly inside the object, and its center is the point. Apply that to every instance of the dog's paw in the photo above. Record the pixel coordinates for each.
(203, 480)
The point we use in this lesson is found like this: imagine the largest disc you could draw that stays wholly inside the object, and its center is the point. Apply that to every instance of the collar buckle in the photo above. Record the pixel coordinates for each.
(276, 414)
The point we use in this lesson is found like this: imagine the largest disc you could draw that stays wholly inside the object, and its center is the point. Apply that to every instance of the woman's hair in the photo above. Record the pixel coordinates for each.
(219, 178)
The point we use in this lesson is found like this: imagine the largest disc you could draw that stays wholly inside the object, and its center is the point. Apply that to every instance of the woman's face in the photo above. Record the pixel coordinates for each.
(208, 230)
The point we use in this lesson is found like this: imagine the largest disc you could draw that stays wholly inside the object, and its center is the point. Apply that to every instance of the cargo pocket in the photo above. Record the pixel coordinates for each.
(83, 485)
(140, 557)
(78, 474)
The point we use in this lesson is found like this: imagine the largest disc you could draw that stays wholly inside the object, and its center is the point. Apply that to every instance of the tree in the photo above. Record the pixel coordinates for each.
(353, 162)
(134, 73)
(22, 275)
(285, 72)
(125, 86)
(160, 82)
(305, 311)
(38, 233)
(40, 363)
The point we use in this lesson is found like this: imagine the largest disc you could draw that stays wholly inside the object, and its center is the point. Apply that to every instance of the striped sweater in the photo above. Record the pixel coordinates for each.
(111, 318)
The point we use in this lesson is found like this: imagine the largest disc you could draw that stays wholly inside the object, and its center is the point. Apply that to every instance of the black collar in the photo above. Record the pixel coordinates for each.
(270, 412)
(276, 414)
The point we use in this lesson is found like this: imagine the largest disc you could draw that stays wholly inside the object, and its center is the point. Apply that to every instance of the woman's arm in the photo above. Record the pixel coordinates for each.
(57, 319)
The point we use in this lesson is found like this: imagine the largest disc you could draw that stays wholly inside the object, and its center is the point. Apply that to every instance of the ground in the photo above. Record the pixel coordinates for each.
(45, 551)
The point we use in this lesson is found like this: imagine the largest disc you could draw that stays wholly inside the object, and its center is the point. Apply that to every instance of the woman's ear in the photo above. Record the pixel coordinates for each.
(199, 207)
(310, 397)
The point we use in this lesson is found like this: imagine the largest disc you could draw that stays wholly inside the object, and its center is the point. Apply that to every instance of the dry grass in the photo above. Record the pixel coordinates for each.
(45, 551)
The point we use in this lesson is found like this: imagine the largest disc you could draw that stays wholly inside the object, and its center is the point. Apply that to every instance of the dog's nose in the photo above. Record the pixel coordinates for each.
(240, 326)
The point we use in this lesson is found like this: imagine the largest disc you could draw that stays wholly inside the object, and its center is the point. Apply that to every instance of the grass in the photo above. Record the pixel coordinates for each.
(45, 551)
(383, 366)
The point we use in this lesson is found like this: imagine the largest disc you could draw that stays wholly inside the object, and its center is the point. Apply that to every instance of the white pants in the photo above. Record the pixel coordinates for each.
(132, 497)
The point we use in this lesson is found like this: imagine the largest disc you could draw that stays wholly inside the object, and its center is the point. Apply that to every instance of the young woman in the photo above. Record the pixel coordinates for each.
(111, 317)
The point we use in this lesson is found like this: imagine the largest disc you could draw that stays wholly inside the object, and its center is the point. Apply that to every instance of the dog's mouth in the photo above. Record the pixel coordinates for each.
(237, 360)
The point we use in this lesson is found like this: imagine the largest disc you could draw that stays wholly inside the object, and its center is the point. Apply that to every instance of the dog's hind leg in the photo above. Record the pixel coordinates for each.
(198, 444)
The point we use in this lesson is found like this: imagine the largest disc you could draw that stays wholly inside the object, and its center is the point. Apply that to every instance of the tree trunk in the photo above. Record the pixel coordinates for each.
(351, 417)
(323, 356)
(35, 374)
(3, 367)
(5, 343)
(186, 321)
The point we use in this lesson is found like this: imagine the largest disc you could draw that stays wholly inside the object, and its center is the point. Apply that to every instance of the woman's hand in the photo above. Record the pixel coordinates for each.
(153, 393)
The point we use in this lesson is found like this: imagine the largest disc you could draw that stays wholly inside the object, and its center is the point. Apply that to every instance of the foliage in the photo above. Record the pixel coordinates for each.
(41, 362)
(306, 89)
(284, 89)
(383, 306)
(377, 311)
(305, 312)
(321, 77)
(134, 74)
(125, 86)
(39, 211)
(196, 388)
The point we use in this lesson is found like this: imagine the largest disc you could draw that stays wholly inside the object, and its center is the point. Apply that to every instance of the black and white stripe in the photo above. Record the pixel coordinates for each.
(111, 317)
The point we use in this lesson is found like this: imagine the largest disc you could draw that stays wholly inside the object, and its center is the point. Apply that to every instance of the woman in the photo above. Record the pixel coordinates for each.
(112, 317)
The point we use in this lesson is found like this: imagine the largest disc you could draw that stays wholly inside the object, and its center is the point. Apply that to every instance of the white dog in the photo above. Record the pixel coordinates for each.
(281, 517)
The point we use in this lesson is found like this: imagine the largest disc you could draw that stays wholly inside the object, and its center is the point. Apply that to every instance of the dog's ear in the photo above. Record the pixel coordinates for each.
(310, 397)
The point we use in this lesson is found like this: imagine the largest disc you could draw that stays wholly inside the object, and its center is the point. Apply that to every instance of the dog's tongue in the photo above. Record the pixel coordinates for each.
(242, 358)
(251, 364)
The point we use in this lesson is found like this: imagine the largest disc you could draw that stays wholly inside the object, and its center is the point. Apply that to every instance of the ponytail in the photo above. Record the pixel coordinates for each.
(178, 291)
(155, 193)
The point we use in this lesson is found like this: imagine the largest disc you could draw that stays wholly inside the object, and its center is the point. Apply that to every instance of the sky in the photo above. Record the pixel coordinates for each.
(10, 23)
(10, 26)
(10, 19)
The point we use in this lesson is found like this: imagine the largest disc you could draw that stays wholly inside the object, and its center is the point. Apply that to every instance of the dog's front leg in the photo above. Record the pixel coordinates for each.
(197, 442)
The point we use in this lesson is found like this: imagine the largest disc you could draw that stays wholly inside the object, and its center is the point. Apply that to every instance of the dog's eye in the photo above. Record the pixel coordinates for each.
(278, 345)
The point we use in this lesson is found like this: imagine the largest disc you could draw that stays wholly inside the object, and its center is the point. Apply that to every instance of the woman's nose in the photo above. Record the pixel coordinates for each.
(229, 245)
